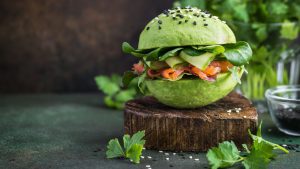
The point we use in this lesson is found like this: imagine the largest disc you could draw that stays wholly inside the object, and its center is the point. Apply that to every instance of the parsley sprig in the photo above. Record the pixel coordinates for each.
(115, 95)
(133, 147)
(227, 154)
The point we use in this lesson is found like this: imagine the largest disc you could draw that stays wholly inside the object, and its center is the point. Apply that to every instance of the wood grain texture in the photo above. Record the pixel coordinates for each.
(191, 129)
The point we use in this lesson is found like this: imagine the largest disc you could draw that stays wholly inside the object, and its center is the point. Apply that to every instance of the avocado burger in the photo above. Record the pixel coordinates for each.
(188, 58)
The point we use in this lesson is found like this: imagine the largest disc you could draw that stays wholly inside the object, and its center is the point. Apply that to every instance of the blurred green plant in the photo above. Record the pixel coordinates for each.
(115, 95)
(270, 26)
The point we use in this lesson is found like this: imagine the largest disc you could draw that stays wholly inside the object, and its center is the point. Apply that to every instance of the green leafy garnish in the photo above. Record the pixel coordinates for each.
(235, 73)
(133, 147)
(260, 155)
(115, 95)
(238, 53)
(225, 155)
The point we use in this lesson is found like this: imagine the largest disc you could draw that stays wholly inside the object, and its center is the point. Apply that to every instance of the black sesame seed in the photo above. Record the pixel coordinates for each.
(148, 28)
(195, 14)
(165, 11)
(174, 18)
(205, 24)
(181, 16)
(159, 21)
(190, 10)
(178, 11)
(210, 15)
(159, 27)
(204, 19)
(172, 12)
(171, 165)
(179, 22)
(186, 21)
(194, 23)
(202, 16)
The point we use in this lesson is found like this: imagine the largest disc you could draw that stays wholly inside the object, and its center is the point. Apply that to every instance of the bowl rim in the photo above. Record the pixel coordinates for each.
(269, 94)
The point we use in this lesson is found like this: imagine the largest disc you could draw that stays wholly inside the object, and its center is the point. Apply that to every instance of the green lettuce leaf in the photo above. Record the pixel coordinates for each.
(238, 53)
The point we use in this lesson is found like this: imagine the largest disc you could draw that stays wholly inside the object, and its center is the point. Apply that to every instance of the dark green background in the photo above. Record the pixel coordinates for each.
(71, 131)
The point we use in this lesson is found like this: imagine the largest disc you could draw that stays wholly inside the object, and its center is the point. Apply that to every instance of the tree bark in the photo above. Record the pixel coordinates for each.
(198, 129)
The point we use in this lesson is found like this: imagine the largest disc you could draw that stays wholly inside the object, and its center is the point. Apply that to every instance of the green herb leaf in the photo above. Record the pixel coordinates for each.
(265, 146)
(125, 95)
(133, 147)
(225, 155)
(137, 138)
(107, 85)
(135, 153)
(256, 160)
(238, 53)
(289, 30)
(114, 149)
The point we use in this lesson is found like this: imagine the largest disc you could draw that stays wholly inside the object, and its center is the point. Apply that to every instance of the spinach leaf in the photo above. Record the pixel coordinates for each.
(170, 53)
(238, 53)
(215, 49)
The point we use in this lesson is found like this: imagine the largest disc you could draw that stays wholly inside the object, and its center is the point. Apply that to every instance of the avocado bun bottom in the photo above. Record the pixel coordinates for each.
(191, 93)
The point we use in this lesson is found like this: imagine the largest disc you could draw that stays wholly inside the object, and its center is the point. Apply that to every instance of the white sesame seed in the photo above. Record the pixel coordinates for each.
(167, 158)
(142, 157)
(229, 111)
(149, 157)
(174, 153)
(244, 116)
(223, 21)
(160, 151)
(144, 148)
(166, 154)
(196, 159)
(190, 157)
(131, 160)
(237, 111)
(156, 18)
(189, 16)
(215, 17)
(284, 145)
(148, 166)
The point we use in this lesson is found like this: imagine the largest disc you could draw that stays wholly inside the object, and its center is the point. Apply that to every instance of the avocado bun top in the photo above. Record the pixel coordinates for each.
(185, 27)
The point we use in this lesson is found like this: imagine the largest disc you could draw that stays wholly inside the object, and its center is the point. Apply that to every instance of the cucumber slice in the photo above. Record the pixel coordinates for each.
(173, 61)
(156, 65)
(201, 61)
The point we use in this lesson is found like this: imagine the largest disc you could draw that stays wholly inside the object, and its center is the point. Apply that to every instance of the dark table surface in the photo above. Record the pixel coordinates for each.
(72, 130)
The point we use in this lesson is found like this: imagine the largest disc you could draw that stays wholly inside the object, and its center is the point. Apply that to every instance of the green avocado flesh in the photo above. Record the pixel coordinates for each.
(191, 93)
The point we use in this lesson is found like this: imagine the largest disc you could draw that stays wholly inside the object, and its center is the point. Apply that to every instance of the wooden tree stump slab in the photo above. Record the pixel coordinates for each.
(191, 129)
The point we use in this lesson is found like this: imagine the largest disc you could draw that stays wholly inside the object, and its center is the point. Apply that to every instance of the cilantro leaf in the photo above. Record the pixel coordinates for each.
(289, 30)
(107, 85)
(133, 147)
(135, 152)
(114, 149)
(256, 160)
(225, 155)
